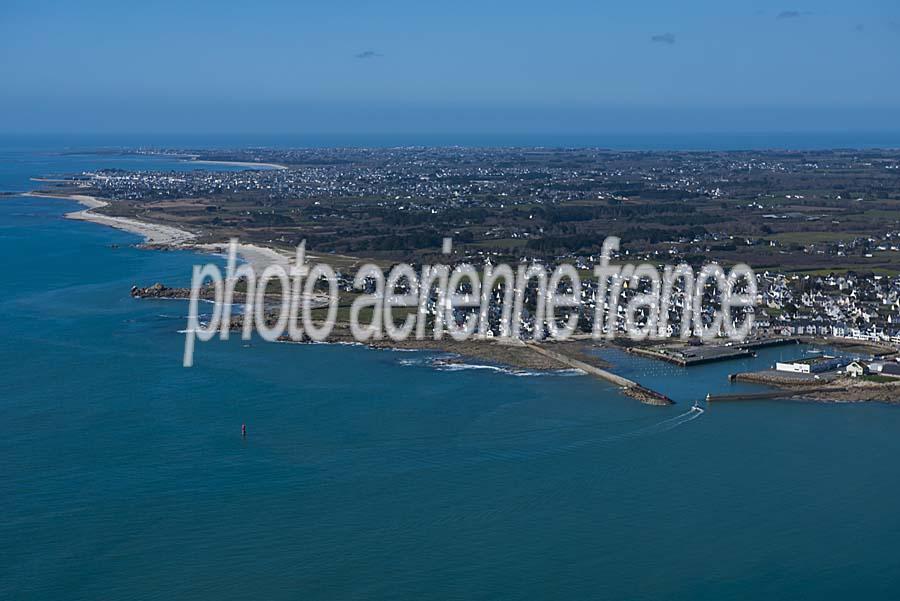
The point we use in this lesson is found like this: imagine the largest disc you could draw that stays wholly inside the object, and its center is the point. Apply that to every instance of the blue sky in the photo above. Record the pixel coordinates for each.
(341, 66)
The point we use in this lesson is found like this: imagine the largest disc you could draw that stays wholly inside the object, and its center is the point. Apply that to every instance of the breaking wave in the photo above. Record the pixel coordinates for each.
(446, 363)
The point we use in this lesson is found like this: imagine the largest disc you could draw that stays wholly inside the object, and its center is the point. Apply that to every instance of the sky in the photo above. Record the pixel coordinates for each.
(642, 66)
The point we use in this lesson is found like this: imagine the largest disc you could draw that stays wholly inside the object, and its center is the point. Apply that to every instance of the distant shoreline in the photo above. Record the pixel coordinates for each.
(195, 158)
(237, 163)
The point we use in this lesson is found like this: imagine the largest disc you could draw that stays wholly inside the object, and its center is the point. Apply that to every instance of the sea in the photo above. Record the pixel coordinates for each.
(377, 474)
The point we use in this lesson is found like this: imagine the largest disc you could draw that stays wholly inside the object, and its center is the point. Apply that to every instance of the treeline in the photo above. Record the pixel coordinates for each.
(413, 241)
(474, 215)
(656, 235)
(592, 212)
(410, 241)
(588, 242)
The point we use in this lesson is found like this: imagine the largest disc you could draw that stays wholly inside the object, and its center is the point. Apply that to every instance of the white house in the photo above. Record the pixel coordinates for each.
(857, 369)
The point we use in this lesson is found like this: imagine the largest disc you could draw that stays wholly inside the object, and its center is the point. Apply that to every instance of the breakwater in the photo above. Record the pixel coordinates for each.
(629, 387)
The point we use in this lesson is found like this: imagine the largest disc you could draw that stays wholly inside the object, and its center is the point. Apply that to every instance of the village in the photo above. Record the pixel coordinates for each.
(820, 228)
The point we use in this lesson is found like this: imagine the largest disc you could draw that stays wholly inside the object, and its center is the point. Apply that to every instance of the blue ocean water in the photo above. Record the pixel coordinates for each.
(371, 475)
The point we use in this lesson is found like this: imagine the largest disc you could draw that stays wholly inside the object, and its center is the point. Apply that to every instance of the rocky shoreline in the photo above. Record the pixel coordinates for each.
(857, 392)
(514, 355)
(839, 389)
(160, 291)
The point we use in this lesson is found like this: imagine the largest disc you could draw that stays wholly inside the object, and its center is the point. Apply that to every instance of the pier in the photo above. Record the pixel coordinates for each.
(629, 387)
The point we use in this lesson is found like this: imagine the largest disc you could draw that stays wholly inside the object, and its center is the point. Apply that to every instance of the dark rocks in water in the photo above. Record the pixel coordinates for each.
(158, 290)
(285, 338)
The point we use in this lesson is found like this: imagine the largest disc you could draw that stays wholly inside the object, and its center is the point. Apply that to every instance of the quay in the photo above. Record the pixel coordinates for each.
(692, 355)
(767, 342)
(687, 355)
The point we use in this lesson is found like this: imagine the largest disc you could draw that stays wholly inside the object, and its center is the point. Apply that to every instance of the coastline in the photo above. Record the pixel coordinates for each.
(153, 233)
(194, 158)
(259, 257)
(171, 237)
(841, 389)
(250, 164)
(165, 236)
(158, 235)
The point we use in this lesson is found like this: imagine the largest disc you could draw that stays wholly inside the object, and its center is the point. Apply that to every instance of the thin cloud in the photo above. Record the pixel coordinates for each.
(663, 38)
(367, 54)
(789, 14)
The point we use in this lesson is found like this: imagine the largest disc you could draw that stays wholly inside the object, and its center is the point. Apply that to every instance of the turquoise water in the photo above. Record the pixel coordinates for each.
(370, 475)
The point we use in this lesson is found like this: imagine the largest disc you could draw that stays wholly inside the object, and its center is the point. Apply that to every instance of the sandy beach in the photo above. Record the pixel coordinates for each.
(194, 158)
(249, 164)
(259, 257)
(152, 233)
(165, 235)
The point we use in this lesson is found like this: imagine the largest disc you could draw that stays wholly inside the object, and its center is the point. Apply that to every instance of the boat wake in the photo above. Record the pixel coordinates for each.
(663, 426)
(413, 453)
(486, 451)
